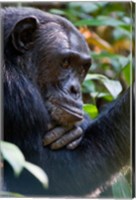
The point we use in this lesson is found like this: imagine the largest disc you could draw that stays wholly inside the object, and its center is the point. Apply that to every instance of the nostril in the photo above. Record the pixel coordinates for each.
(73, 90)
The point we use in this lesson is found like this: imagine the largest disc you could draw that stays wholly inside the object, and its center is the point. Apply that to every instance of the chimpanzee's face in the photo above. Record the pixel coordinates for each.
(62, 61)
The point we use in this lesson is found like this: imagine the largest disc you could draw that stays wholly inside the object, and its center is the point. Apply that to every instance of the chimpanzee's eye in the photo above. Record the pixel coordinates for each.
(83, 70)
(86, 66)
(65, 64)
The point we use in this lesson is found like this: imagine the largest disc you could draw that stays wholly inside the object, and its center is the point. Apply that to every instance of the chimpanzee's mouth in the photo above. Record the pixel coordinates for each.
(73, 110)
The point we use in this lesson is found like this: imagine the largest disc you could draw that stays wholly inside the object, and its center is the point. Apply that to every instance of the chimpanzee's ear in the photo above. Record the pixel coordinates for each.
(23, 33)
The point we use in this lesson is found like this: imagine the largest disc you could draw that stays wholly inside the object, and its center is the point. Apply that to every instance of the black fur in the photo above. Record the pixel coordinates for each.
(104, 150)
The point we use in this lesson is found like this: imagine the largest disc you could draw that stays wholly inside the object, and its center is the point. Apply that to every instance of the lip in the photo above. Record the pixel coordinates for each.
(74, 112)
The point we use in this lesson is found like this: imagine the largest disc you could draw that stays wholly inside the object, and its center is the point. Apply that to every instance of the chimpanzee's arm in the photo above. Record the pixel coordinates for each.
(106, 144)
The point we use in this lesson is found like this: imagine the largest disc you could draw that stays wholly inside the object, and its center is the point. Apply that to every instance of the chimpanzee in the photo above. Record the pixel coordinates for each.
(44, 63)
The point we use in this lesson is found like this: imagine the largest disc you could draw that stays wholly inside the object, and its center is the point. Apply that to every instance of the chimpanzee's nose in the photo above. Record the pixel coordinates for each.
(74, 90)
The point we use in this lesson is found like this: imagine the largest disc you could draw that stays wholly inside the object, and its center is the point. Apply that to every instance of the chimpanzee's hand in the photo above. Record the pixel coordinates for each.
(62, 136)
(59, 137)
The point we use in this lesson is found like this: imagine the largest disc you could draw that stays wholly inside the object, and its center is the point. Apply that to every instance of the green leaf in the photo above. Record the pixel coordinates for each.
(86, 7)
(91, 110)
(124, 60)
(38, 173)
(103, 95)
(118, 61)
(104, 54)
(127, 73)
(121, 189)
(120, 33)
(13, 156)
(88, 86)
(103, 21)
(10, 194)
(113, 86)
(57, 11)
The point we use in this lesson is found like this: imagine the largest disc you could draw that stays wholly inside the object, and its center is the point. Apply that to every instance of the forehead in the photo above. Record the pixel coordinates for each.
(77, 42)
(58, 37)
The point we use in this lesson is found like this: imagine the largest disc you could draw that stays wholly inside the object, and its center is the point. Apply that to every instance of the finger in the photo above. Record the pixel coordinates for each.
(53, 135)
(67, 138)
(75, 143)
(50, 126)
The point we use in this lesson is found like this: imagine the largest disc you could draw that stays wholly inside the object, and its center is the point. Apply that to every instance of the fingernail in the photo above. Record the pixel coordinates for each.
(49, 126)
(70, 147)
(53, 147)
(45, 142)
